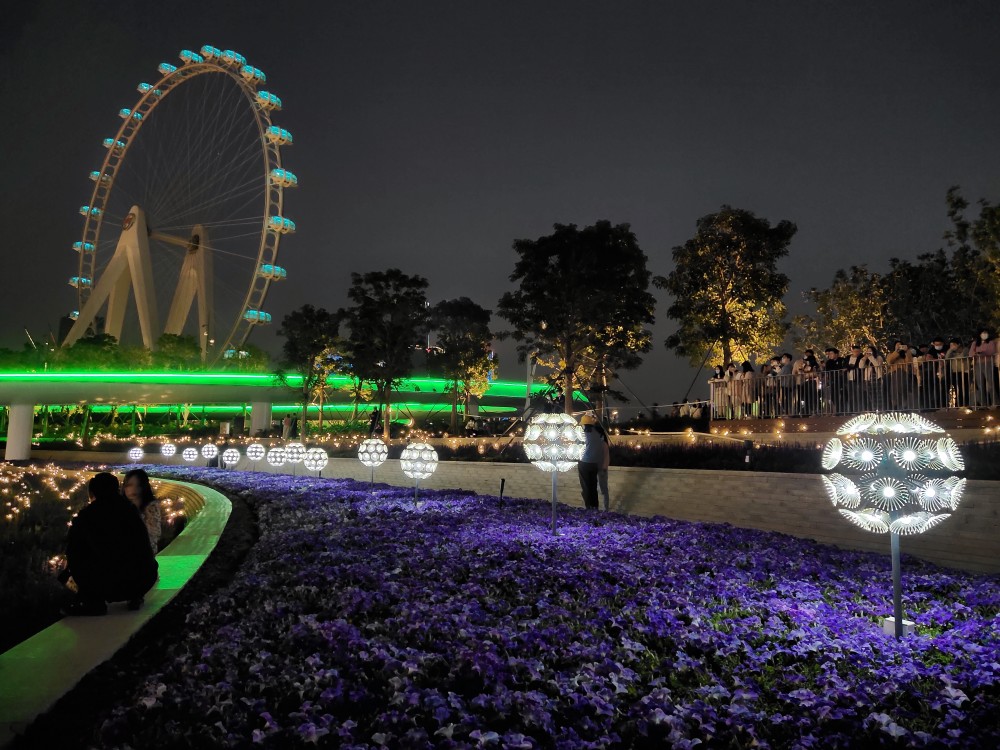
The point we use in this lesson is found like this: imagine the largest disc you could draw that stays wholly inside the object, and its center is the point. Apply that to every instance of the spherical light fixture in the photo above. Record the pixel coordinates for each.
(209, 451)
(316, 460)
(902, 483)
(372, 453)
(230, 457)
(554, 443)
(168, 450)
(295, 453)
(135, 454)
(418, 461)
(189, 454)
(255, 452)
(276, 456)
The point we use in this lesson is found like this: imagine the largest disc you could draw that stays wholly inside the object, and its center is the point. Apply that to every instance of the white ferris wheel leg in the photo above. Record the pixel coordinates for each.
(195, 279)
(129, 266)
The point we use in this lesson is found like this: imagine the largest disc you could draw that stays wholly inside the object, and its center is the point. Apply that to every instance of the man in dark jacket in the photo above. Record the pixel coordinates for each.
(108, 551)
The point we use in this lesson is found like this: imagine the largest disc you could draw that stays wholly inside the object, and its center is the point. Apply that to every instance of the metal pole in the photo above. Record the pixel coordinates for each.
(554, 495)
(371, 486)
(416, 484)
(897, 588)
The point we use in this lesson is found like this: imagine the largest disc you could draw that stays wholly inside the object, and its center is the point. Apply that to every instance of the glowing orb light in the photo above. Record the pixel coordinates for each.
(135, 454)
(295, 453)
(276, 456)
(189, 454)
(316, 459)
(897, 480)
(373, 452)
(230, 457)
(418, 461)
(168, 450)
(255, 451)
(554, 443)
(209, 450)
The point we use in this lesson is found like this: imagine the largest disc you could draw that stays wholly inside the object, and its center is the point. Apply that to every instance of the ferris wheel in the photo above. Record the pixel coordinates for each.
(187, 210)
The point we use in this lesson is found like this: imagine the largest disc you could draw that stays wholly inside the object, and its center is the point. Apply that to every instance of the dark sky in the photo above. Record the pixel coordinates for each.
(428, 135)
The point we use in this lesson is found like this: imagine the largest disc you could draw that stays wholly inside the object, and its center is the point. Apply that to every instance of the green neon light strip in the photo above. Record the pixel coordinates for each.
(198, 409)
(504, 388)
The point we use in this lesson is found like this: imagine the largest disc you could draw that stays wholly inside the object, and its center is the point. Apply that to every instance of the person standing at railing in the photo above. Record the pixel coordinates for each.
(733, 394)
(748, 395)
(899, 365)
(833, 381)
(932, 383)
(872, 367)
(785, 385)
(957, 368)
(983, 352)
(717, 385)
(769, 379)
(804, 372)
(852, 380)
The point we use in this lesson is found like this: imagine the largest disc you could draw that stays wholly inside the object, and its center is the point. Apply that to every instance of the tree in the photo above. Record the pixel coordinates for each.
(175, 352)
(582, 301)
(386, 321)
(463, 333)
(726, 287)
(975, 260)
(853, 309)
(310, 338)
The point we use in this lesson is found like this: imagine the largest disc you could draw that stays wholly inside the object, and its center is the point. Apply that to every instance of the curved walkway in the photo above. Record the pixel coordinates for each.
(39, 671)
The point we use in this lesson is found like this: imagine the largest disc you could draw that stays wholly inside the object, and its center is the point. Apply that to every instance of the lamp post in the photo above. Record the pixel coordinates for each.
(255, 452)
(295, 453)
(315, 460)
(898, 481)
(554, 443)
(167, 450)
(189, 454)
(372, 453)
(230, 457)
(209, 451)
(135, 454)
(418, 461)
(276, 457)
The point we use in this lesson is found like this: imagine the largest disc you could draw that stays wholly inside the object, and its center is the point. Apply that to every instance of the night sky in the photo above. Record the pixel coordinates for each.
(428, 136)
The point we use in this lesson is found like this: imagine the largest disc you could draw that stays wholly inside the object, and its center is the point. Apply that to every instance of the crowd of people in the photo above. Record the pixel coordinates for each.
(941, 374)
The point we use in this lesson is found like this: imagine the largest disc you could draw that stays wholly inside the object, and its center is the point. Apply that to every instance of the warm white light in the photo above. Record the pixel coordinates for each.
(295, 453)
(316, 459)
(418, 460)
(189, 454)
(230, 457)
(255, 451)
(168, 449)
(209, 450)
(553, 442)
(276, 456)
(135, 454)
(373, 452)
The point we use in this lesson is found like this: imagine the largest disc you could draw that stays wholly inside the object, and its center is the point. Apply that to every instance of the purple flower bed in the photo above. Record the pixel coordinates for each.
(359, 620)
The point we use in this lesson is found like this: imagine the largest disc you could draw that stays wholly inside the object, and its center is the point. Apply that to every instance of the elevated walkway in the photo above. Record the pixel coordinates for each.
(39, 671)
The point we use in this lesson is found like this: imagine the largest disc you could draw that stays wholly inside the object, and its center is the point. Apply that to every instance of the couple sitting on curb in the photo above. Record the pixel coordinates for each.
(108, 551)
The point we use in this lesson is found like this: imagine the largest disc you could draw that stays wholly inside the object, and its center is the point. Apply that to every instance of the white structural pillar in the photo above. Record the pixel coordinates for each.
(20, 427)
(260, 417)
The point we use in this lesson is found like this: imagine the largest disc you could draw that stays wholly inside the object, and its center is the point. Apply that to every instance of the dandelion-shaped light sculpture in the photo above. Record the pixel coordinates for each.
(554, 443)
(209, 451)
(372, 453)
(897, 480)
(316, 460)
(295, 454)
(255, 452)
(418, 461)
(135, 454)
(168, 449)
(189, 454)
(230, 457)
(276, 457)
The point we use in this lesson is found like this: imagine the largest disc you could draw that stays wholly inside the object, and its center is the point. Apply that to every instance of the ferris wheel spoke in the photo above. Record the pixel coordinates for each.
(198, 158)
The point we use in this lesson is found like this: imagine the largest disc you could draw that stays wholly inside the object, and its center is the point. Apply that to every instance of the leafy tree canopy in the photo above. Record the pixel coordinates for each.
(582, 302)
(726, 287)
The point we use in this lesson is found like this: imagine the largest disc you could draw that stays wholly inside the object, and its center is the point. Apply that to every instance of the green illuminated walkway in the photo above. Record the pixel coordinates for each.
(37, 672)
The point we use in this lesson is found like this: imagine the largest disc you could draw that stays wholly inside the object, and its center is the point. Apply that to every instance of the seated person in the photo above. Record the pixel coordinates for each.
(108, 551)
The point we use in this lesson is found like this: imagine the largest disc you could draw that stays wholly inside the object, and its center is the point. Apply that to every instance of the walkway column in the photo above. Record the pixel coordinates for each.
(260, 417)
(19, 432)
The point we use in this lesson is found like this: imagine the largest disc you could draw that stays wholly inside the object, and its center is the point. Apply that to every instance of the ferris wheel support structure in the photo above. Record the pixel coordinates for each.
(130, 268)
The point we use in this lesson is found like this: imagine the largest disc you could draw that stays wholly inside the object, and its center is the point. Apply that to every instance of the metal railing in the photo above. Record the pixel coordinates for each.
(955, 383)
